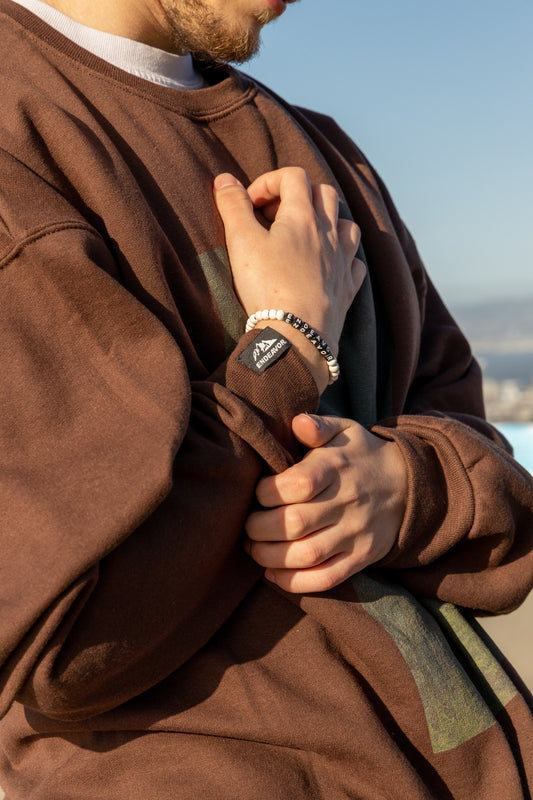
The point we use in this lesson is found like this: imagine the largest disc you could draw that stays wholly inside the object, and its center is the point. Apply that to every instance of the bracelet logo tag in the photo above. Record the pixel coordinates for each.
(267, 347)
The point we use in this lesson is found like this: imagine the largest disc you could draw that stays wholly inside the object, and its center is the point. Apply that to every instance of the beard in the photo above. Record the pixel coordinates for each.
(211, 36)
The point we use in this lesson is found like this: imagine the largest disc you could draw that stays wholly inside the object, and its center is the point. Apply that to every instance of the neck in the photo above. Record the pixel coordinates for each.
(140, 20)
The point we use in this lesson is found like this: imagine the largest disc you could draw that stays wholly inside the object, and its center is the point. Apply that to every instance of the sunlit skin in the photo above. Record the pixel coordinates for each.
(332, 514)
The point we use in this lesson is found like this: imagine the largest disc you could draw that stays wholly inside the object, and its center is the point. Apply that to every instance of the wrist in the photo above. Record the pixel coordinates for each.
(310, 356)
(307, 333)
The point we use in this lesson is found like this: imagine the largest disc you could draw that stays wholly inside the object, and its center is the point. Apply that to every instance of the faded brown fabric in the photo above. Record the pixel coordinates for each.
(141, 652)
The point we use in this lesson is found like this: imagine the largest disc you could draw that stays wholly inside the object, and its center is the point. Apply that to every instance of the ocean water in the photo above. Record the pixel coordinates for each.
(520, 434)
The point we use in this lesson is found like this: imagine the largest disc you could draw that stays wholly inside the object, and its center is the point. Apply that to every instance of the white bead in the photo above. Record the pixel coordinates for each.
(251, 322)
(264, 313)
(272, 313)
(280, 314)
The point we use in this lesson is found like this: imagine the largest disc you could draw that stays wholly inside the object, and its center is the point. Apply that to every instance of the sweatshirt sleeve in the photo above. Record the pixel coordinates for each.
(467, 535)
(123, 486)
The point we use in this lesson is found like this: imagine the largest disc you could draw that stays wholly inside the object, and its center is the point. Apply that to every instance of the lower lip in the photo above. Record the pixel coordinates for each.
(277, 6)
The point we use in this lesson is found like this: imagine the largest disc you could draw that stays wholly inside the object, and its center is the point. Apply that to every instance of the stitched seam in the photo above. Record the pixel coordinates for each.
(40, 233)
(38, 175)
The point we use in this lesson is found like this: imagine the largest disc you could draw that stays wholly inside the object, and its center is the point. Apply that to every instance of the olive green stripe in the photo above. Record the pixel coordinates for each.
(216, 268)
(454, 708)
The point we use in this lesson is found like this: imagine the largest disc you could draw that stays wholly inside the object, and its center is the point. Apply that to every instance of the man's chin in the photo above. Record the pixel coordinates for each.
(236, 50)
(217, 38)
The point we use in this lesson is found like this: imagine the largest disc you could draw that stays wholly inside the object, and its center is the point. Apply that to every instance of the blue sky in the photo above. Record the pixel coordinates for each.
(440, 98)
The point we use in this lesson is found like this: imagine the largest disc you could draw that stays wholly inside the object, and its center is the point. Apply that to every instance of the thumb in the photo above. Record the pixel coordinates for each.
(233, 204)
(313, 430)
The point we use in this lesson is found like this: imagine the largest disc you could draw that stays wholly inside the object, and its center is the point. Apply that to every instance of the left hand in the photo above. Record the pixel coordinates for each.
(334, 513)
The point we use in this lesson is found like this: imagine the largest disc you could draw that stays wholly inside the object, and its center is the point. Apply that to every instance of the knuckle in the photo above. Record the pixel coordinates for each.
(348, 478)
(353, 495)
(255, 552)
(294, 522)
(365, 551)
(311, 553)
(231, 202)
(349, 233)
(298, 173)
(355, 234)
(231, 193)
(358, 433)
(309, 223)
(329, 579)
(304, 487)
(359, 270)
(253, 525)
(343, 459)
(329, 192)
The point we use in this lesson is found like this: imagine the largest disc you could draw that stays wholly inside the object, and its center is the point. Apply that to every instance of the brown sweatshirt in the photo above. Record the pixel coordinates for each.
(142, 654)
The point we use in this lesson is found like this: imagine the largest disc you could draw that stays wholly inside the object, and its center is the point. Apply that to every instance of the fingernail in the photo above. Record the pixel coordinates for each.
(315, 420)
(226, 180)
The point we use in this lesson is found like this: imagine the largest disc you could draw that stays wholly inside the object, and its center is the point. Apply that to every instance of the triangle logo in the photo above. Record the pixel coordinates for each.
(264, 351)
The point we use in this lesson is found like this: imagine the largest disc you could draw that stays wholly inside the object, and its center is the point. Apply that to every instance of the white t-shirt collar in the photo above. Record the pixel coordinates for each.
(150, 63)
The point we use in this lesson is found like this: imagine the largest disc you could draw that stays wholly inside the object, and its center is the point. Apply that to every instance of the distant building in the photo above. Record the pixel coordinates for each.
(507, 401)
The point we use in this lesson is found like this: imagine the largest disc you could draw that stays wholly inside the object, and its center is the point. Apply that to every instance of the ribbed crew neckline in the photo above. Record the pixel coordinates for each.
(148, 63)
(226, 89)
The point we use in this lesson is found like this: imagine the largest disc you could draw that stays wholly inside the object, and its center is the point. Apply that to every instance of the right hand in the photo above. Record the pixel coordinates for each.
(303, 261)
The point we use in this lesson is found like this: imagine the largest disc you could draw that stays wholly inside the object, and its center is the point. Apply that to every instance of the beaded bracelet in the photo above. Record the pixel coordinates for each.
(304, 327)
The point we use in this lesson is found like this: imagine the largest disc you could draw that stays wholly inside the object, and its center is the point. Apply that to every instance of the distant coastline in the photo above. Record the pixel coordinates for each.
(501, 336)
(507, 366)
